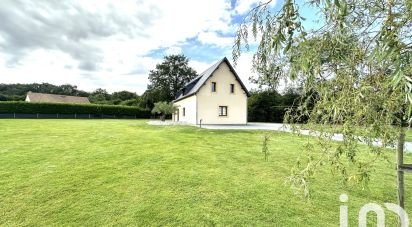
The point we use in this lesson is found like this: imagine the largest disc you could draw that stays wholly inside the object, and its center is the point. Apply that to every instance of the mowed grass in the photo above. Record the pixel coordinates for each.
(408, 135)
(121, 172)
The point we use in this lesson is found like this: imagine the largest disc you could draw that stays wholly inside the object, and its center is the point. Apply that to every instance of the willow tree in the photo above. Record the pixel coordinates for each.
(355, 70)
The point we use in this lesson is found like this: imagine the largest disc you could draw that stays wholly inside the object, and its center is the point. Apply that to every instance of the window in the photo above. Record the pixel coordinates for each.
(184, 112)
(213, 86)
(232, 88)
(222, 110)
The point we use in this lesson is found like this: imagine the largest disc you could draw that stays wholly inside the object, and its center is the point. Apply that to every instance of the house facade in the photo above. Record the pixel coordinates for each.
(216, 96)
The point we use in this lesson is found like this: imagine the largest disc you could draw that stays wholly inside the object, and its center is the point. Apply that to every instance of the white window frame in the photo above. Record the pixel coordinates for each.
(223, 111)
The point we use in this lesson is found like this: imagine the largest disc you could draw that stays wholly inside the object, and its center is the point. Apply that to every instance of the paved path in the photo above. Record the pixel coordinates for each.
(286, 128)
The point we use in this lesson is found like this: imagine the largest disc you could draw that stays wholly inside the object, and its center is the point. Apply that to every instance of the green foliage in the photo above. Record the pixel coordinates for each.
(352, 93)
(17, 92)
(270, 106)
(101, 96)
(130, 102)
(124, 95)
(150, 97)
(355, 72)
(164, 108)
(170, 76)
(63, 108)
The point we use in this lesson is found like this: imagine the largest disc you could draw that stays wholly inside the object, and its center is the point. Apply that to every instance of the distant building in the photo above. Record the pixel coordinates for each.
(41, 97)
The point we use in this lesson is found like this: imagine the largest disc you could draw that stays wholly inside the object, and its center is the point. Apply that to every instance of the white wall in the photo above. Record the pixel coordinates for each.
(190, 105)
(209, 102)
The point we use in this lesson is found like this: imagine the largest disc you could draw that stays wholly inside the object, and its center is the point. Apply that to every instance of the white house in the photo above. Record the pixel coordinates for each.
(216, 96)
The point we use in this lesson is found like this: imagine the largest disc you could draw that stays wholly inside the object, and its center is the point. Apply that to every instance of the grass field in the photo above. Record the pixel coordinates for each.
(408, 135)
(120, 172)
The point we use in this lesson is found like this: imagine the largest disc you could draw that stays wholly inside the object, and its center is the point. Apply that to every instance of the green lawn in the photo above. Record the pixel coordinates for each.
(408, 136)
(119, 172)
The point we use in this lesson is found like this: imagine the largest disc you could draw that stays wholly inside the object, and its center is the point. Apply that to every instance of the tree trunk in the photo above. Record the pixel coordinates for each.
(163, 117)
(401, 185)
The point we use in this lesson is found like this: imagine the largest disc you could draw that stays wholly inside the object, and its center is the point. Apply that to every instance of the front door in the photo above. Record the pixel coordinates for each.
(177, 115)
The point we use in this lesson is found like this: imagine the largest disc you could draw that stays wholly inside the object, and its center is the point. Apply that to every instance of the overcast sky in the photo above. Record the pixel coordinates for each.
(113, 44)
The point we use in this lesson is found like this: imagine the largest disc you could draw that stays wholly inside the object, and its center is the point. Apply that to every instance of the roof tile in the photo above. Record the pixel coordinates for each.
(42, 97)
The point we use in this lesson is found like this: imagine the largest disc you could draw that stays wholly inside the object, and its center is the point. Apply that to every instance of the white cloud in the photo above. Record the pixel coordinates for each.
(200, 66)
(213, 38)
(102, 43)
(173, 50)
(244, 69)
(244, 6)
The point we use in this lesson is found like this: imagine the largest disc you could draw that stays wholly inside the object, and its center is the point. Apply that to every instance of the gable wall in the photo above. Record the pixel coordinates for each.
(209, 102)
(189, 104)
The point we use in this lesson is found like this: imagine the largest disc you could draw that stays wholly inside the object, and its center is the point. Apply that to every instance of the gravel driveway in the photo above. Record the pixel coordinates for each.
(285, 128)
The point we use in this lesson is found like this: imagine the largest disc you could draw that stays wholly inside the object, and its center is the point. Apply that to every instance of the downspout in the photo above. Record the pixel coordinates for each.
(196, 109)
(246, 109)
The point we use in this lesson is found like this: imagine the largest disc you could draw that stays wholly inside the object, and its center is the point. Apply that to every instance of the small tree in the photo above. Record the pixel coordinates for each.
(164, 108)
(265, 147)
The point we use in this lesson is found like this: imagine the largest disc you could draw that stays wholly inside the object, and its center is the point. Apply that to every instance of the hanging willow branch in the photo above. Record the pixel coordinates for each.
(355, 71)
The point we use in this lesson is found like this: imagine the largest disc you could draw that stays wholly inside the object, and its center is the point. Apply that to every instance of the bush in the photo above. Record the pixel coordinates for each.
(164, 108)
(269, 106)
(68, 108)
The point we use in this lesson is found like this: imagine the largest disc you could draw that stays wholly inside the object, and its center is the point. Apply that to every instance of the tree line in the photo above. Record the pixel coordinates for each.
(270, 105)
(17, 92)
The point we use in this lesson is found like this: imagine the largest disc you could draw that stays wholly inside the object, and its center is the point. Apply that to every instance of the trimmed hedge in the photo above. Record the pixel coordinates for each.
(68, 108)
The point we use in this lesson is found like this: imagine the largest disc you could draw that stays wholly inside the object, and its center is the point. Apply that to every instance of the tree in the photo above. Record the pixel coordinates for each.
(131, 102)
(149, 98)
(3, 97)
(124, 95)
(67, 89)
(269, 105)
(170, 76)
(17, 92)
(355, 71)
(164, 108)
(119, 98)
(100, 96)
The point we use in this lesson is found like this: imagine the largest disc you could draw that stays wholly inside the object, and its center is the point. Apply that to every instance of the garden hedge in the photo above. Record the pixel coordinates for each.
(66, 108)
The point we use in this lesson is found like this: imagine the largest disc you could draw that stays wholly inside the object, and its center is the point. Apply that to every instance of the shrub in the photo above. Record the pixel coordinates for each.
(164, 108)
(68, 108)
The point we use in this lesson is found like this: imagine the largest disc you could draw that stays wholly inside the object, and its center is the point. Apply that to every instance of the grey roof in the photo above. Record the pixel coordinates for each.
(193, 86)
(42, 97)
